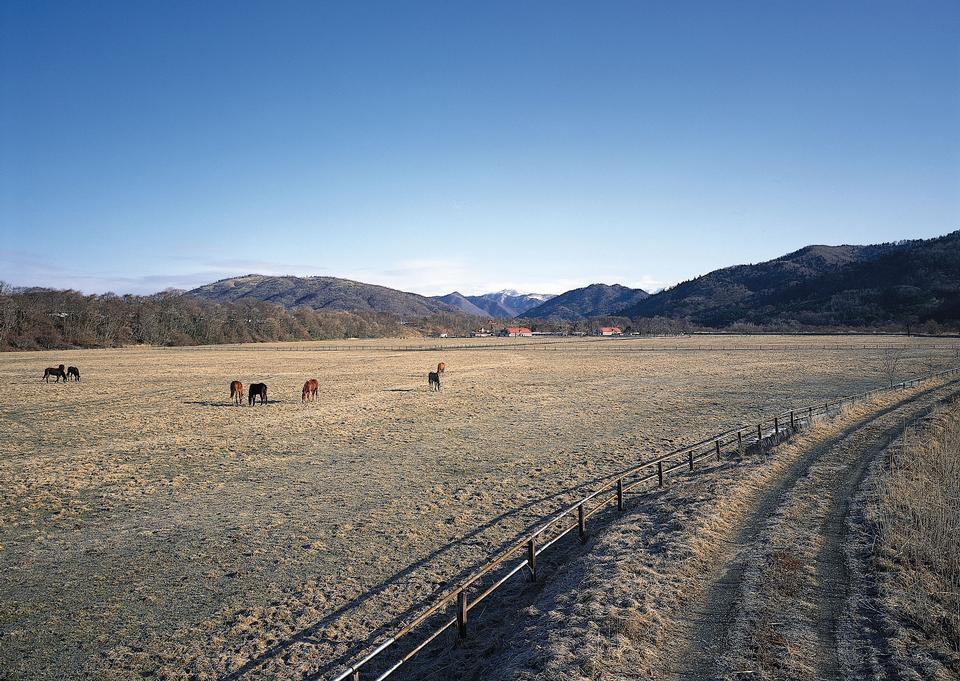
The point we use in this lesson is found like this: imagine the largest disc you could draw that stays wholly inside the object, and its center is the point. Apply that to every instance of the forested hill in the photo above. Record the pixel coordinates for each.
(320, 293)
(902, 283)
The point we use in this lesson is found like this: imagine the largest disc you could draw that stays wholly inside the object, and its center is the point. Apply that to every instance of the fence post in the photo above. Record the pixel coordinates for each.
(776, 426)
(792, 422)
(739, 440)
(809, 416)
(717, 446)
(619, 494)
(659, 474)
(532, 558)
(690, 458)
(581, 524)
(462, 614)
(759, 433)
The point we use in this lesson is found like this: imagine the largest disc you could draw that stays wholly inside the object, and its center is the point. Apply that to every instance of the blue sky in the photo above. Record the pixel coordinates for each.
(470, 146)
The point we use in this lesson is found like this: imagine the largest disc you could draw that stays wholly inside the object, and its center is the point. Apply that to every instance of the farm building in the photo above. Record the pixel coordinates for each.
(513, 331)
(610, 331)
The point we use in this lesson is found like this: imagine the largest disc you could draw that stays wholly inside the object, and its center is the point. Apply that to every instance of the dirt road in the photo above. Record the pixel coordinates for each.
(779, 594)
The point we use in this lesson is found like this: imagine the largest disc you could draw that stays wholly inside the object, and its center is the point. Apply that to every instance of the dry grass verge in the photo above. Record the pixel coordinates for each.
(917, 515)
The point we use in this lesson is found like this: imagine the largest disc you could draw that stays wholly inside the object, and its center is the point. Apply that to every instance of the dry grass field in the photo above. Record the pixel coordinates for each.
(148, 526)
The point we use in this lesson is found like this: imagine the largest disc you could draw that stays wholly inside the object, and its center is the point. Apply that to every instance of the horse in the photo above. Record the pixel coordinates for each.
(257, 390)
(433, 379)
(74, 373)
(236, 392)
(441, 367)
(310, 390)
(58, 372)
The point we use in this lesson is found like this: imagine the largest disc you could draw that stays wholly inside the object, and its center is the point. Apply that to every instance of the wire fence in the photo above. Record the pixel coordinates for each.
(437, 618)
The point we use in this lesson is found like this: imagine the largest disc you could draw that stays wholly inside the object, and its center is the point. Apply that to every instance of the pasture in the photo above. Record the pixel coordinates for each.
(149, 525)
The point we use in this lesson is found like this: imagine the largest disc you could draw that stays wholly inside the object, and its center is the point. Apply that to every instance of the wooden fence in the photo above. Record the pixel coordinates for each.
(615, 343)
(472, 590)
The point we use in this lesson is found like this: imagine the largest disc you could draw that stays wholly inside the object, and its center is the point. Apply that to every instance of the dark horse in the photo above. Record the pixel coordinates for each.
(257, 390)
(236, 392)
(74, 373)
(433, 378)
(58, 372)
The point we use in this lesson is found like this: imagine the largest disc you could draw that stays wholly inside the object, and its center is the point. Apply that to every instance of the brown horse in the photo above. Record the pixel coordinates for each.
(236, 392)
(441, 367)
(58, 372)
(257, 390)
(74, 373)
(310, 390)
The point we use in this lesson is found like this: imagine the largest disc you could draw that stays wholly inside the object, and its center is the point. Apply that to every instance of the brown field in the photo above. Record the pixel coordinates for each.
(147, 526)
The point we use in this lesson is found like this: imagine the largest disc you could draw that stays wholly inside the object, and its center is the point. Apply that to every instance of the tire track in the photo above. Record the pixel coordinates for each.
(709, 652)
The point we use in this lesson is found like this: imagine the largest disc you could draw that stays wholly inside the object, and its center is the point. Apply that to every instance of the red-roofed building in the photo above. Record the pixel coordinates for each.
(610, 331)
(513, 331)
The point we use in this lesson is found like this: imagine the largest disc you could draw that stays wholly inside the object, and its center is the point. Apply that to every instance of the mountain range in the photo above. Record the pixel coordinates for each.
(500, 305)
(848, 285)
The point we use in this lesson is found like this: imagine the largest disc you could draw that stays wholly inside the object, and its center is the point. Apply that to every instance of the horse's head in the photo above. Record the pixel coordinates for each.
(60, 367)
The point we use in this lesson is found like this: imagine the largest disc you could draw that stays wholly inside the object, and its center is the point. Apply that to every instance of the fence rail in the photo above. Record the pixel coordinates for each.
(553, 528)
(617, 343)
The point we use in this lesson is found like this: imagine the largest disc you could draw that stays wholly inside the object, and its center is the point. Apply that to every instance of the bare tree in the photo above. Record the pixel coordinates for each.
(890, 363)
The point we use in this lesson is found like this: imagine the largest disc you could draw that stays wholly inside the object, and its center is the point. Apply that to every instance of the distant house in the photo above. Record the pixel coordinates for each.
(482, 333)
(610, 331)
(514, 331)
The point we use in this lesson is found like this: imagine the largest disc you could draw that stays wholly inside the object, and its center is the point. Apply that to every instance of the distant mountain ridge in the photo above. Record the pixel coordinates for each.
(900, 282)
(500, 305)
(462, 303)
(595, 300)
(321, 293)
(508, 303)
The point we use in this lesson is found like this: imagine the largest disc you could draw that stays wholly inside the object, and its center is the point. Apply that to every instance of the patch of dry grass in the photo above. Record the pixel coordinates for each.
(918, 515)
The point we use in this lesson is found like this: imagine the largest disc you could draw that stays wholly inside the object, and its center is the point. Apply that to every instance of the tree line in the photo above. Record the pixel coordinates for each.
(38, 319)
(46, 319)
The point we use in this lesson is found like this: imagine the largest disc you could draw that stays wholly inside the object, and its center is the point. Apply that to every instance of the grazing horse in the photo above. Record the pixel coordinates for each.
(433, 379)
(257, 390)
(236, 392)
(441, 367)
(58, 372)
(310, 390)
(74, 373)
